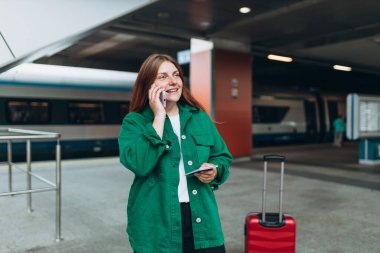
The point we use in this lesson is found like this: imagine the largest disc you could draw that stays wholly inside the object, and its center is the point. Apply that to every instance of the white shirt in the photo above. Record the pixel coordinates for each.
(183, 194)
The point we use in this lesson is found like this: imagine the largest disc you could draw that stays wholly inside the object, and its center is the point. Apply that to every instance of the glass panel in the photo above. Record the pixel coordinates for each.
(124, 109)
(269, 114)
(28, 112)
(85, 113)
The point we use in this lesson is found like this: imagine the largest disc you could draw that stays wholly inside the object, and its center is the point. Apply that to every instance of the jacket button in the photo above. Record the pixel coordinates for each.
(198, 220)
(189, 163)
(167, 146)
(183, 137)
(195, 192)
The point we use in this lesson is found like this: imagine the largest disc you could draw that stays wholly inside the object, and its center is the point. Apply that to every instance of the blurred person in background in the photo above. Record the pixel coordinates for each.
(339, 128)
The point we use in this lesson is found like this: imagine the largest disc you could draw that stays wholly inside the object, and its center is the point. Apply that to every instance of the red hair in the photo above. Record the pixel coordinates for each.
(145, 79)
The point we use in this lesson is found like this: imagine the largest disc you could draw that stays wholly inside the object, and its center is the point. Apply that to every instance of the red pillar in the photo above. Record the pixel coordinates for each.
(222, 81)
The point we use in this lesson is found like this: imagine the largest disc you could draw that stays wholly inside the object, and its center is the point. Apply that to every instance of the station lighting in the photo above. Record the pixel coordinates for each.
(245, 10)
(342, 68)
(274, 57)
(205, 24)
(163, 14)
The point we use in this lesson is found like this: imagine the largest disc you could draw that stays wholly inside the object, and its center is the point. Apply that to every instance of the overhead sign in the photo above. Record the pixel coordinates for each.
(183, 57)
(363, 116)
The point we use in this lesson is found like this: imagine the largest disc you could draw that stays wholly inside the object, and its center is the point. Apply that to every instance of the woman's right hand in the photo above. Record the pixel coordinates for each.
(157, 108)
(154, 100)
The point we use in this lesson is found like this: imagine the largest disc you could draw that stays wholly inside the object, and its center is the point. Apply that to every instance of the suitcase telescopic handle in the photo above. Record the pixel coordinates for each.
(267, 158)
(273, 157)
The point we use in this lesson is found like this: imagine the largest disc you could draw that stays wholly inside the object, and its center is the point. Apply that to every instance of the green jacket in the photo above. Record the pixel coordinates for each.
(154, 215)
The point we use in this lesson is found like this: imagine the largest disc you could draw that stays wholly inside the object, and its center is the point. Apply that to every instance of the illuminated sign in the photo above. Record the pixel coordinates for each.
(363, 116)
(183, 57)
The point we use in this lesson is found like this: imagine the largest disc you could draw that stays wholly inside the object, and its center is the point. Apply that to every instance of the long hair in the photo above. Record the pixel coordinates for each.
(145, 78)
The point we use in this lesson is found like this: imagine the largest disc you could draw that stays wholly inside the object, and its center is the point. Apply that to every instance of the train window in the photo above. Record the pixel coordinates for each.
(28, 112)
(124, 109)
(311, 117)
(85, 113)
(269, 114)
(333, 112)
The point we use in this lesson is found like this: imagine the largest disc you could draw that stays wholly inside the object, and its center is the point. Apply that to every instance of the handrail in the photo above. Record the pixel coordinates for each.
(28, 136)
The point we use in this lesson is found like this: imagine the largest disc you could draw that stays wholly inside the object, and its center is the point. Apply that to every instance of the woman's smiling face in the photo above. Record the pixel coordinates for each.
(169, 78)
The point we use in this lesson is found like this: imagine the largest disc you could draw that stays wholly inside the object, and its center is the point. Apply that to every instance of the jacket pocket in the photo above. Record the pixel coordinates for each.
(203, 144)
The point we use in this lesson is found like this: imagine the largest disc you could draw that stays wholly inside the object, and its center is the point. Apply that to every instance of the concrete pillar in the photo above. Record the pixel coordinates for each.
(222, 81)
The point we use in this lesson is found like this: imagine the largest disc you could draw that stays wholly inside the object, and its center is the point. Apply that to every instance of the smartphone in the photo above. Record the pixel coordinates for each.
(204, 168)
(163, 98)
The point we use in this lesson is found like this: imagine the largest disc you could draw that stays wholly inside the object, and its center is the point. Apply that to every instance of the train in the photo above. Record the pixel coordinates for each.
(85, 106)
(282, 118)
(88, 112)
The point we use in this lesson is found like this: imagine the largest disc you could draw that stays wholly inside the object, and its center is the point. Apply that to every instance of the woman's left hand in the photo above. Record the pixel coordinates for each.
(208, 175)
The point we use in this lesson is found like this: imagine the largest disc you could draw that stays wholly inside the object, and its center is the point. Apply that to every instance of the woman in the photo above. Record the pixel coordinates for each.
(167, 210)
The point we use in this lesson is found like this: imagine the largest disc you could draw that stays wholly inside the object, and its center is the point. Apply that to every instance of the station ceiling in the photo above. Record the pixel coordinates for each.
(316, 33)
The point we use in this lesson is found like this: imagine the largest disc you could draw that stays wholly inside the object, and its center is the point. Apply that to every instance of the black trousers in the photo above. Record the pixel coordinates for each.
(187, 234)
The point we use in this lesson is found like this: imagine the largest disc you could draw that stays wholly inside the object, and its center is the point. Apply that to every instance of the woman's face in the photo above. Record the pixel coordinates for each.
(168, 77)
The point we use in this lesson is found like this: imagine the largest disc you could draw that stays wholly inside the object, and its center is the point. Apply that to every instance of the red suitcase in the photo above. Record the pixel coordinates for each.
(270, 232)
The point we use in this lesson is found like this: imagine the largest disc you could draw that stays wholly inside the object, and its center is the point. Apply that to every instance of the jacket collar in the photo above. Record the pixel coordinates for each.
(185, 112)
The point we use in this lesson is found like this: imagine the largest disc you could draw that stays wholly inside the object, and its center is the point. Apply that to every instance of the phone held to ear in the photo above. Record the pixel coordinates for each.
(163, 98)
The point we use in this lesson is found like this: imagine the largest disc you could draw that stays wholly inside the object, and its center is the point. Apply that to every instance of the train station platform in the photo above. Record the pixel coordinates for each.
(334, 200)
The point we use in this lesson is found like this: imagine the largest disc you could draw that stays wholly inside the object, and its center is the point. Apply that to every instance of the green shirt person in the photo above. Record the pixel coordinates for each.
(168, 211)
(339, 128)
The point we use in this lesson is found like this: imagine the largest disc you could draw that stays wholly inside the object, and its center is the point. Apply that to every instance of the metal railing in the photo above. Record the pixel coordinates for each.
(11, 135)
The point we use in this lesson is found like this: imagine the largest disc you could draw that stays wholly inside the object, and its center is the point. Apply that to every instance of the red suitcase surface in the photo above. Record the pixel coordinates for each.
(276, 239)
(267, 232)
